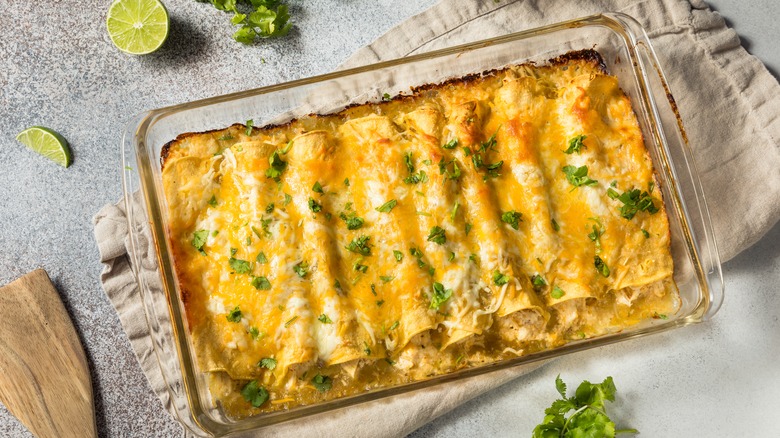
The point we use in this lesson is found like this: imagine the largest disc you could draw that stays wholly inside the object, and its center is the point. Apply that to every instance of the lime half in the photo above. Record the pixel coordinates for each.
(137, 27)
(47, 143)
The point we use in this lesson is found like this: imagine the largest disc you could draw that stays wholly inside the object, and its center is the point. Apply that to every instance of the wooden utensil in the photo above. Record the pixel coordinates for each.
(44, 377)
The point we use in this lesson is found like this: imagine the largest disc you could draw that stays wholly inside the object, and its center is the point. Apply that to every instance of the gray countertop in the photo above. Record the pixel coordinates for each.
(59, 69)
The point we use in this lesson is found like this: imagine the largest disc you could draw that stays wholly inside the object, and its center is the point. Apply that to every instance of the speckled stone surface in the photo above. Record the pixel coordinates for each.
(58, 68)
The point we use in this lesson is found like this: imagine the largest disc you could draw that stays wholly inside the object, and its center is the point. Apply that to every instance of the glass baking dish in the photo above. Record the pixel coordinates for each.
(628, 55)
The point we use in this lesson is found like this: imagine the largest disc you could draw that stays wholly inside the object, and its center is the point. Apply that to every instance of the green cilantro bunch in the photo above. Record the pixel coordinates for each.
(256, 18)
(589, 419)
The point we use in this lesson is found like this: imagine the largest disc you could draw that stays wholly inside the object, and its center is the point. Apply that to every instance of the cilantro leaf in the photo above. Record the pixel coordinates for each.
(601, 266)
(301, 269)
(261, 283)
(452, 144)
(234, 315)
(322, 383)
(254, 394)
(578, 176)
(239, 266)
(277, 166)
(267, 362)
(633, 201)
(557, 292)
(500, 279)
(387, 206)
(324, 319)
(199, 239)
(314, 206)
(512, 218)
(360, 245)
(398, 255)
(353, 221)
(317, 188)
(575, 145)
(437, 235)
(440, 295)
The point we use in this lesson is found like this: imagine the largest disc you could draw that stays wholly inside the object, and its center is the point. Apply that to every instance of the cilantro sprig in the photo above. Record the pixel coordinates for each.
(256, 18)
(634, 201)
(589, 418)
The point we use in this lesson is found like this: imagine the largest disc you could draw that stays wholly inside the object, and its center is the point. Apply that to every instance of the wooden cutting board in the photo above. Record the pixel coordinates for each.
(44, 377)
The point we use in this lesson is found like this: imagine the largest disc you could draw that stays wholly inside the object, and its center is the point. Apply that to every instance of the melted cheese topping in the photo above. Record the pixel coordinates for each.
(484, 249)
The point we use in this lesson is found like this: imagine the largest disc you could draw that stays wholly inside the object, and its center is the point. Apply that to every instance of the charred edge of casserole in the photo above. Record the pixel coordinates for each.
(590, 56)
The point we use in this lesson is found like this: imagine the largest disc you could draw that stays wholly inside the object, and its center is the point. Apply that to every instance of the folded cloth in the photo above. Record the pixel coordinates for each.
(726, 99)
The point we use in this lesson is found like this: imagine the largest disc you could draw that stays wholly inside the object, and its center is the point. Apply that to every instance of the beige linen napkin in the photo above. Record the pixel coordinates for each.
(728, 102)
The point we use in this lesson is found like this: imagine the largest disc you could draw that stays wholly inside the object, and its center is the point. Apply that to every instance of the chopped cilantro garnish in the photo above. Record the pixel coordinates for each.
(213, 201)
(249, 124)
(657, 315)
(598, 231)
(261, 283)
(415, 252)
(322, 383)
(360, 268)
(268, 363)
(199, 239)
(473, 258)
(634, 201)
(324, 319)
(578, 176)
(468, 228)
(512, 218)
(366, 348)
(301, 269)
(290, 321)
(452, 144)
(445, 166)
(645, 233)
(353, 221)
(234, 315)
(601, 266)
(387, 206)
(440, 295)
(277, 166)
(261, 258)
(386, 97)
(413, 178)
(379, 303)
(437, 235)
(557, 292)
(239, 266)
(555, 225)
(398, 255)
(254, 332)
(360, 245)
(346, 182)
(373, 289)
(317, 188)
(454, 211)
(394, 326)
(248, 240)
(270, 208)
(287, 199)
(314, 206)
(575, 145)
(500, 279)
(451, 257)
(225, 137)
(538, 282)
(386, 278)
(254, 394)
(328, 216)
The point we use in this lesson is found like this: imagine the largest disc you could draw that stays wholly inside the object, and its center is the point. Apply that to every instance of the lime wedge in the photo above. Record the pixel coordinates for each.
(47, 143)
(137, 27)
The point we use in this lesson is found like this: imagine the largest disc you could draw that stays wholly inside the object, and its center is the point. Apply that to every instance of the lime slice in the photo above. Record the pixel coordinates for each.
(47, 143)
(137, 27)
